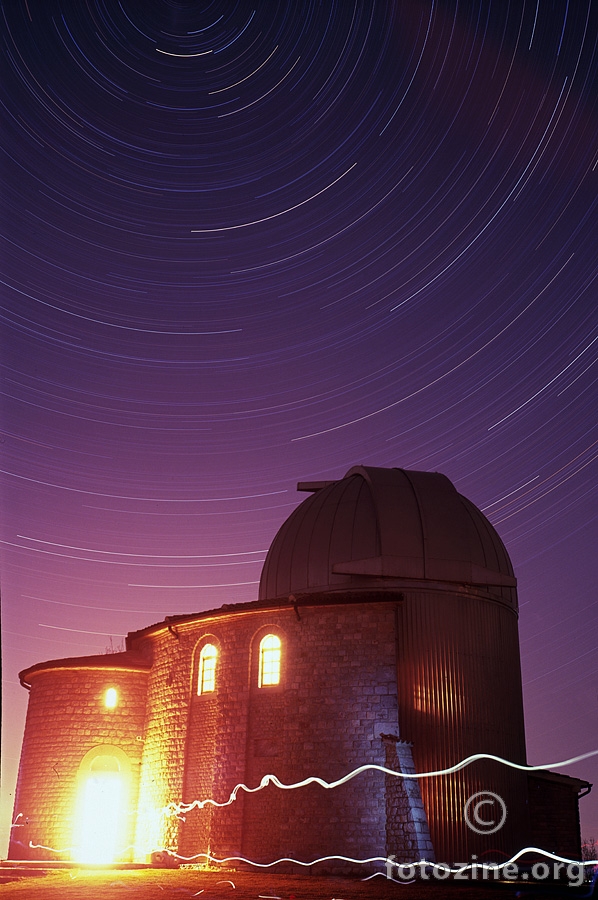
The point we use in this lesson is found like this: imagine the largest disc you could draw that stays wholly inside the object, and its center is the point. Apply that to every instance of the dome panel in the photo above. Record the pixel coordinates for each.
(307, 562)
(292, 536)
(341, 537)
(397, 511)
(317, 563)
(493, 551)
(365, 539)
(442, 523)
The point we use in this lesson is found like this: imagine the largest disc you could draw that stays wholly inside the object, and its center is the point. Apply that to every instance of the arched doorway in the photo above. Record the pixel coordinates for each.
(102, 801)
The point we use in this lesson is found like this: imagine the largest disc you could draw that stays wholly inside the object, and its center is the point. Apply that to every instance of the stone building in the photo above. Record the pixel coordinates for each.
(385, 633)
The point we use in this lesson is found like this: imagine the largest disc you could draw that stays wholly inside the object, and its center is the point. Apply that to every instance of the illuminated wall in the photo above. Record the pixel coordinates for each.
(335, 700)
(67, 718)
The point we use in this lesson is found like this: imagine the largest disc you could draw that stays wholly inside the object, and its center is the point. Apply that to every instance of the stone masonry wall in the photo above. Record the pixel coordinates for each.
(66, 718)
(163, 761)
(200, 759)
(407, 833)
(337, 696)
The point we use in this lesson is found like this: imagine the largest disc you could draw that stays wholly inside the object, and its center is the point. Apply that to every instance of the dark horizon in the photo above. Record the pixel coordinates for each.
(246, 247)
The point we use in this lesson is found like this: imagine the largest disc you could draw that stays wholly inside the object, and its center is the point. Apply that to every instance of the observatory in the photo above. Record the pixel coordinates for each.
(385, 632)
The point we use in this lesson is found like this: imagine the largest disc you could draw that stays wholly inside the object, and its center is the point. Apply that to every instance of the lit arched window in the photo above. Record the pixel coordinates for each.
(269, 671)
(207, 669)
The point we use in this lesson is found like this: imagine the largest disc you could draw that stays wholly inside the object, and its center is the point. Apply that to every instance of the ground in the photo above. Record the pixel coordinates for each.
(164, 884)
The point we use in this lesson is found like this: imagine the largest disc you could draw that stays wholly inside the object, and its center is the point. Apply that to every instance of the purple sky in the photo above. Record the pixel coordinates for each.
(248, 245)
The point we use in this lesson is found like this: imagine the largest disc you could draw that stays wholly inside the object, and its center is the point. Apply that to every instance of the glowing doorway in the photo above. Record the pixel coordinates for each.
(101, 811)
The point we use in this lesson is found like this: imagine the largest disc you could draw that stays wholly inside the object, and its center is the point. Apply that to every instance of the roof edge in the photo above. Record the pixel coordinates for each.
(125, 661)
(570, 781)
(322, 595)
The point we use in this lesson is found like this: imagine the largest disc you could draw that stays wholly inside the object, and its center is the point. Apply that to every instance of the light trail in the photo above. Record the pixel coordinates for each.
(175, 809)
(283, 859)
(184, 55)
(282, 212)
(350, 859)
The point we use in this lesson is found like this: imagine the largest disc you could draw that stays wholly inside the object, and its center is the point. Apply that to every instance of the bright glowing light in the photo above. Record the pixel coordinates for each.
(111, 698)
(101, 801)
(99, 816)
(207, 669)
(269, 670)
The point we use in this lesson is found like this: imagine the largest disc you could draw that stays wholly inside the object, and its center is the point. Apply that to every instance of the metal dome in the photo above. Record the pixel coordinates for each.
(378, 528)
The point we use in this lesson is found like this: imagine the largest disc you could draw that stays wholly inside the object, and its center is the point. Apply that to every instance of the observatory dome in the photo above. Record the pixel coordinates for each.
(385, 528)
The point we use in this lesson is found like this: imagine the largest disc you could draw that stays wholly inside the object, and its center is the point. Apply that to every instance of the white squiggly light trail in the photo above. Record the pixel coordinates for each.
(209, 858)
(176, 809)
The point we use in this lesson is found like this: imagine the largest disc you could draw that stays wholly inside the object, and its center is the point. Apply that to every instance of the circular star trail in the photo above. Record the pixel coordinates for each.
(249, 244)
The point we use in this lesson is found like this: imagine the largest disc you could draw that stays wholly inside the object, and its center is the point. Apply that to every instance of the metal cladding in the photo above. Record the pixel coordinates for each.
(413, 535)
(380, 527)
(459, 693)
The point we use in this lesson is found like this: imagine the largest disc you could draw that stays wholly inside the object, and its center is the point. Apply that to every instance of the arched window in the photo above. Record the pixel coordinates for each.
(206, 682)
(269, 668)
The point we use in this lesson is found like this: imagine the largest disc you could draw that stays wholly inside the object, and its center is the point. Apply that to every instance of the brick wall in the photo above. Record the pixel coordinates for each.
(67, 718)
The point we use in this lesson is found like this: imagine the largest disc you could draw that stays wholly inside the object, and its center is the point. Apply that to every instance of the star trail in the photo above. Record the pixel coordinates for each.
(249, 244)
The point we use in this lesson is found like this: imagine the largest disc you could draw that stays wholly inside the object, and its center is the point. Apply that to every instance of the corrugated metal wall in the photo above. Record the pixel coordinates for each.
(459, 690)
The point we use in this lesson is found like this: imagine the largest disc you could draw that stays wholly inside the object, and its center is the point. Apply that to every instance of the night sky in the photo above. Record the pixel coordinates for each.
(251, 244)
